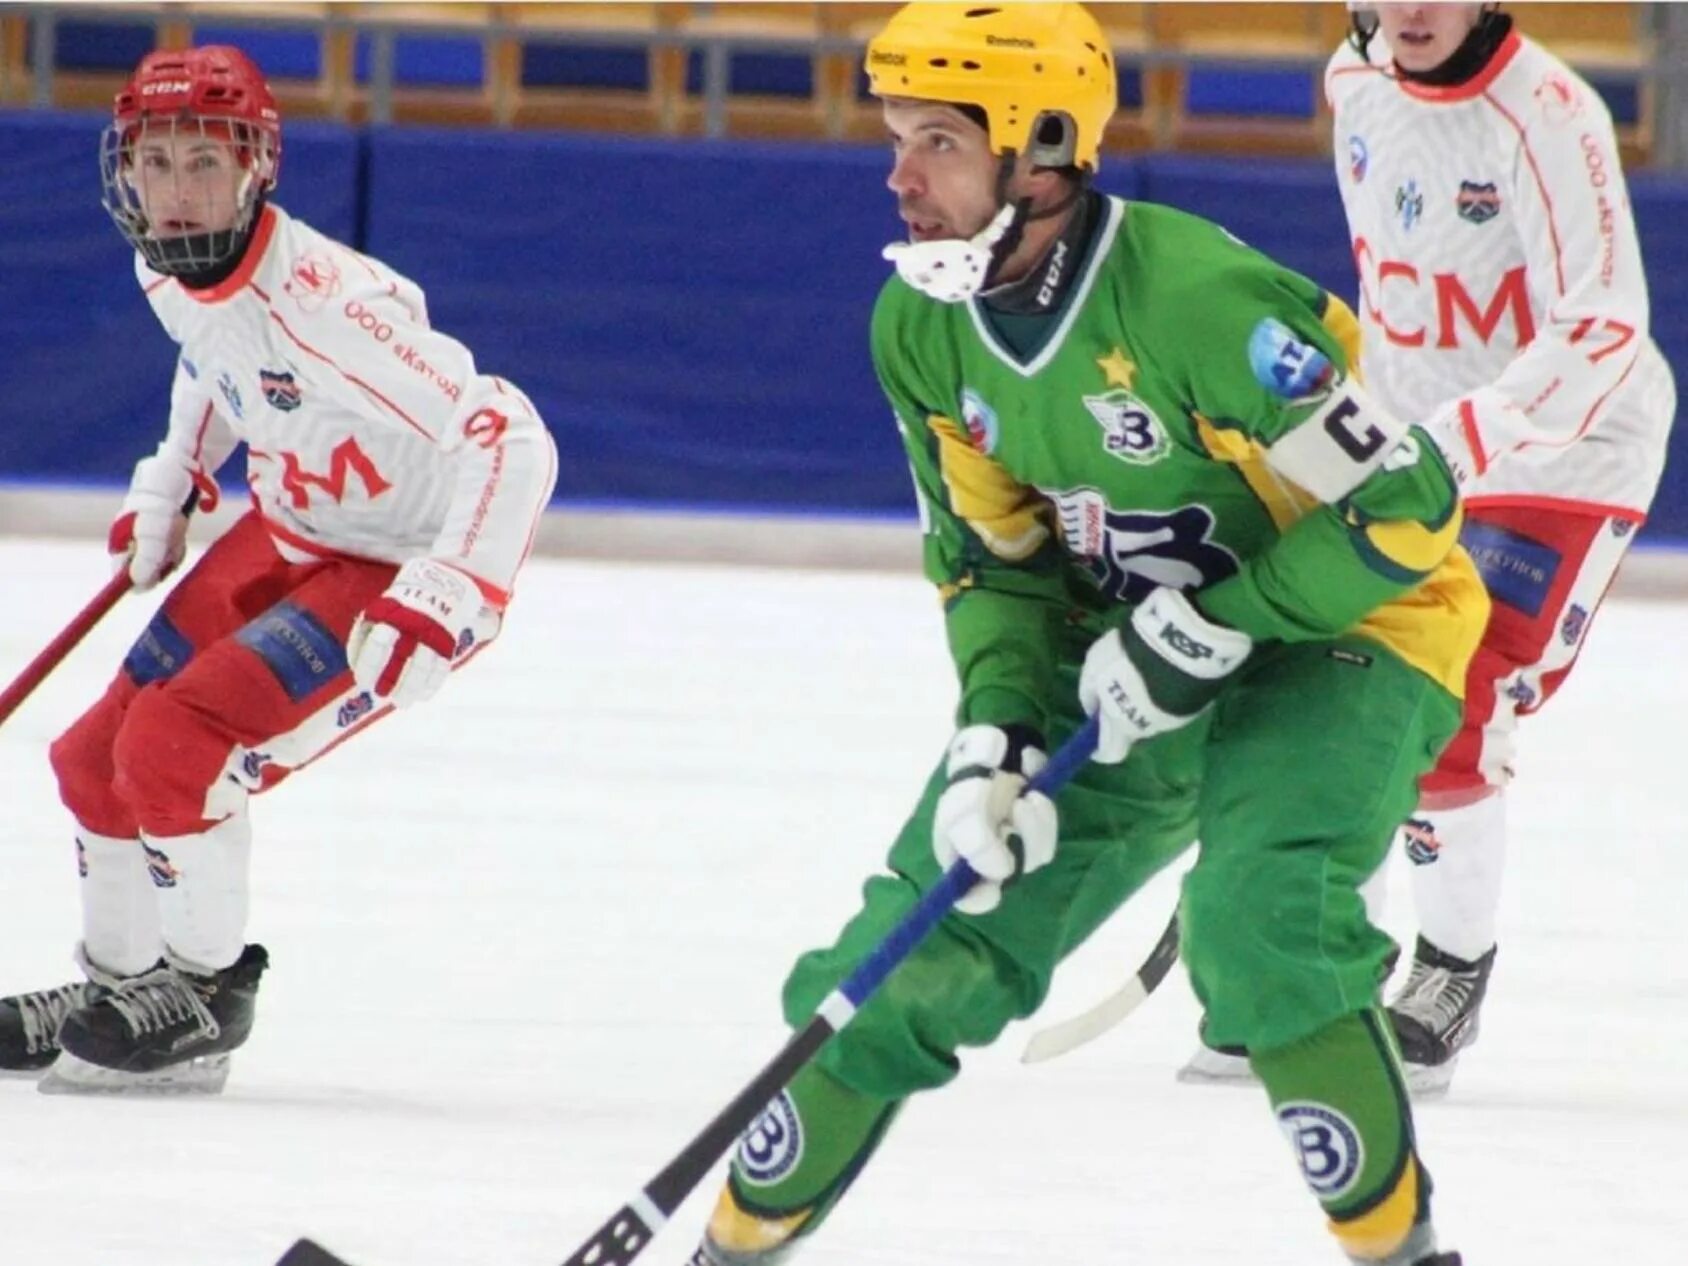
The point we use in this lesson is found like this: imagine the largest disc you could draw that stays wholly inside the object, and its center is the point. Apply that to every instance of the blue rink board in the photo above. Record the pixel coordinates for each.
(690, 317)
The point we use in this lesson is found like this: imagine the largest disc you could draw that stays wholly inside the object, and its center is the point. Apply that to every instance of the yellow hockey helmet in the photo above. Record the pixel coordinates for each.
(1020, 63)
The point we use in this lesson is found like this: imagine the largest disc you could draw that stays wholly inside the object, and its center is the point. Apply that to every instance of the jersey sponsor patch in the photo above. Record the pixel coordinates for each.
(979, 420)
(1130, 429)
(1130, 553)
(772, 1146)
(1515, 570)
(1477, 203)
(280, 389)
(231, 393)
(1326, 1144)
(312, 280)
(1409, 204)
(1345, 437)
(158, 654)
(1359, 159)
(302, 654)
(1558, 99)
(1284, 364)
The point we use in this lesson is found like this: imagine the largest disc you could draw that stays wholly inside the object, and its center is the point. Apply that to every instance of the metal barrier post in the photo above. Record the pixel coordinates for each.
(43, 43)
(381, 75)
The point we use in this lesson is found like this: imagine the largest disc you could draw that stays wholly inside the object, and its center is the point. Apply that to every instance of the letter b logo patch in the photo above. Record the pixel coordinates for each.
(1326, 1144)
(772, 1146)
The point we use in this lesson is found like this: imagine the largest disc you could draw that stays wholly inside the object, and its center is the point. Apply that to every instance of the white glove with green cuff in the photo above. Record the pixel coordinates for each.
(1157, 672)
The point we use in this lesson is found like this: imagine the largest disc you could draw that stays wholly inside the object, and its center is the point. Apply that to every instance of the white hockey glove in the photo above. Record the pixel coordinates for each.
(1157, 672)
(950, 270)
(403, 643)
(983, 817)
(149, 537)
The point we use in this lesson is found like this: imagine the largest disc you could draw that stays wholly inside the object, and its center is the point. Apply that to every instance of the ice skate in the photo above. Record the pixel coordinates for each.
(29, 1025)
(166, 1031)
(1435, 1016)
(1418, 1250)
(1216, 1065)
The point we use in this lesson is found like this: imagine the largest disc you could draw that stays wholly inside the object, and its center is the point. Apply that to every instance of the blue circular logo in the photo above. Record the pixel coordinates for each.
(1358, 158)
(772, 1146)
(1326, 1144)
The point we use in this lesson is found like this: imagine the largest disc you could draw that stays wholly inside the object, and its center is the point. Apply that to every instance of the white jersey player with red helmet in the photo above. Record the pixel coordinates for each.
(395, 490)
(1504, 306)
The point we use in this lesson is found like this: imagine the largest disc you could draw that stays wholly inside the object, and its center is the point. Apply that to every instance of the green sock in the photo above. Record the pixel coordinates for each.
(806, 1149)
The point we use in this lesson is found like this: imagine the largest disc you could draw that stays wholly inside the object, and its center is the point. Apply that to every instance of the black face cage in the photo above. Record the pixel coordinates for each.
(184, 254)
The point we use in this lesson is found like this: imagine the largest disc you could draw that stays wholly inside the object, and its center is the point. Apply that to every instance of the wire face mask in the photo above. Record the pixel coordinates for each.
(184, 190)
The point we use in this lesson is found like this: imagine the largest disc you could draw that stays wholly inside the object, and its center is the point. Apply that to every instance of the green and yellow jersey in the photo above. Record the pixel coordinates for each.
(1121, 442)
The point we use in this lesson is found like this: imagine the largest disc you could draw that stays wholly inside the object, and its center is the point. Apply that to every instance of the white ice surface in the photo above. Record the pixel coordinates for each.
(528, 939)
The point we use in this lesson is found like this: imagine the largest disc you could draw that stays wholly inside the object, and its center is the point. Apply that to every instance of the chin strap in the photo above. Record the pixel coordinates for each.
(955, 269)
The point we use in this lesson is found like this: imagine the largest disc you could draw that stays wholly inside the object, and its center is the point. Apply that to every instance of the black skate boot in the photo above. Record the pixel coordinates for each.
(1435, 1014)
(169, 1030)
(29, 1025)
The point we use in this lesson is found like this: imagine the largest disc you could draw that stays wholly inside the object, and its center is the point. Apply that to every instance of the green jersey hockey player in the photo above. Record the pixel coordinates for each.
(1152, 490)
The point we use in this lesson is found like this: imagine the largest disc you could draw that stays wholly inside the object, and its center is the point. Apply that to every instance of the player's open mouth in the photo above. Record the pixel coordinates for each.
(926, 230)
(1418, 39)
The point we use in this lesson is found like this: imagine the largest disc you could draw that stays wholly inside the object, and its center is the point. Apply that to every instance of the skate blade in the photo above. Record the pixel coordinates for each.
(1210, 1068)
(72, 1076)
(1429, 1081)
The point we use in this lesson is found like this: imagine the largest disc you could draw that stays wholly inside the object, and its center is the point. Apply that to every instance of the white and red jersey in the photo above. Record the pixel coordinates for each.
(1501, 284)
(368, 433)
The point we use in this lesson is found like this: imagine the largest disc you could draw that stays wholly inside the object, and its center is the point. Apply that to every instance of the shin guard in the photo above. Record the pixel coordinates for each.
(1340, 1100)
(791, 1167)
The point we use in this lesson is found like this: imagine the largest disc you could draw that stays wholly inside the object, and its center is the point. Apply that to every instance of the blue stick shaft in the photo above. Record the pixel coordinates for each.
(630, 1228)
(1068, 759)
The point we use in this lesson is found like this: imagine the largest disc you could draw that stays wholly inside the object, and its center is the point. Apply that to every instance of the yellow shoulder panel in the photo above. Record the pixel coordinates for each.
(1010, 518)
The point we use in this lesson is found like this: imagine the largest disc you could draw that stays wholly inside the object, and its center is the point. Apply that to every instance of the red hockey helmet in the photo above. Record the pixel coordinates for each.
(193, 147)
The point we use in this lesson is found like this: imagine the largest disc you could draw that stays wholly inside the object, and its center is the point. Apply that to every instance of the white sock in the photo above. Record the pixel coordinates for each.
(1375, 893)
(1457, 868)
(202, 892)
(120, 930)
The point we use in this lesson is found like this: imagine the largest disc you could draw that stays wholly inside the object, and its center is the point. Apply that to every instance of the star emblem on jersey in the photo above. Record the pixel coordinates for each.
(1130, 429)
(1409, 204)
(1118, 369)
(1477, 203)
